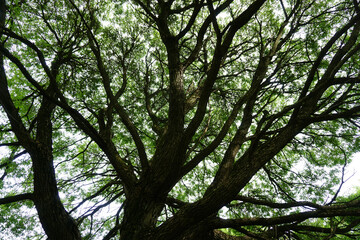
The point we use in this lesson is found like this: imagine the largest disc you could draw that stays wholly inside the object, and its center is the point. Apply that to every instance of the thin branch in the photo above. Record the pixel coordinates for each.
(218, 139)
(356, 6)
(213, 19)
(283, 8)
(220, 51)
(121, 111)
(342, 177)
(321, 56)
(96, 194)
(13, 144)
(197, 8)
(31, 45)
(118, 163)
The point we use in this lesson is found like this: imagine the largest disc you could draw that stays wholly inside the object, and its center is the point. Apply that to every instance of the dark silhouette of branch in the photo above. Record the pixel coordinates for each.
(17, 198)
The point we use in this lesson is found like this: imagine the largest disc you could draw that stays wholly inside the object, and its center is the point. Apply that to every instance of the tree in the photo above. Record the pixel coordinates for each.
(216, 119)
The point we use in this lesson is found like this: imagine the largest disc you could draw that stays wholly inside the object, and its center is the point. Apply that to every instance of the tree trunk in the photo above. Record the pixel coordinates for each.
(56, 221)
(141, 211)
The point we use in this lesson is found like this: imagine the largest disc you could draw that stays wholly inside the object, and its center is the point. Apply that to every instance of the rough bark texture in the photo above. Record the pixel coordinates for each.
(56, 221)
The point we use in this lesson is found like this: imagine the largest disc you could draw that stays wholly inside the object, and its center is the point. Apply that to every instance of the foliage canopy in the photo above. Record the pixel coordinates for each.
(203, 119)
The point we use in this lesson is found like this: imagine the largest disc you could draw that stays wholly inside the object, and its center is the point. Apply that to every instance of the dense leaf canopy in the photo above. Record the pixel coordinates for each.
(165, 120)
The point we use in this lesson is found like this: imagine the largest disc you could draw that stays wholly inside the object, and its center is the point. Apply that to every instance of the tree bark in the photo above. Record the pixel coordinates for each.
(141, 211)
(56, 221)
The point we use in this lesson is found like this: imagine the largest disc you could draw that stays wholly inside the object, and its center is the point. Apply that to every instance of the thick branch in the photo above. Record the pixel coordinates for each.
(277, 205)
(292, 218)
(351, 113)
(17, 198)
(304, 228)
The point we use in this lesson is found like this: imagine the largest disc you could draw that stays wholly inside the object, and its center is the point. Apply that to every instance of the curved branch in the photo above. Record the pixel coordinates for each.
(96, 194)
(31, 45)
(12, 112)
